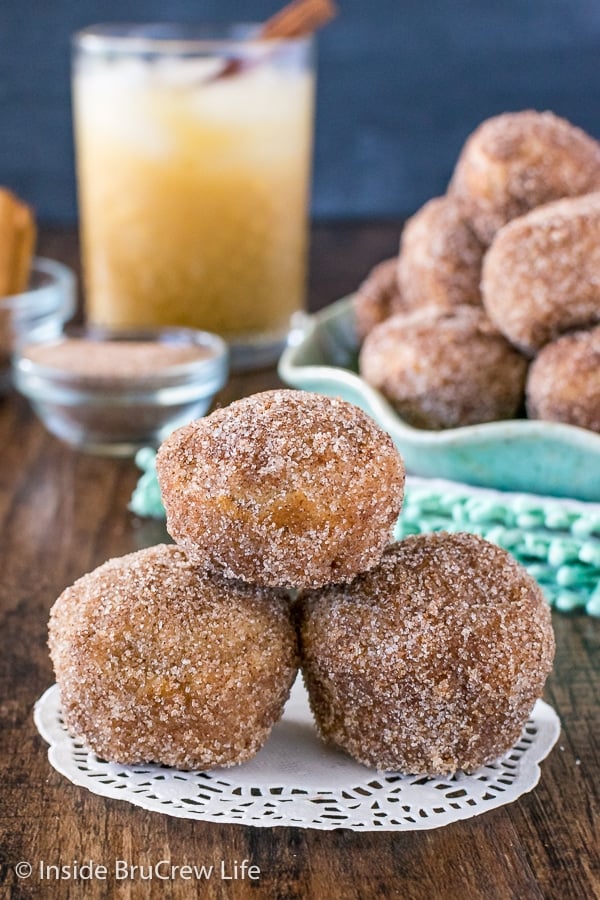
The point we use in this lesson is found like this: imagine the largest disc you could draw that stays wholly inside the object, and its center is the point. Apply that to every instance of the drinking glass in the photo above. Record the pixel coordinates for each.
(193, 150)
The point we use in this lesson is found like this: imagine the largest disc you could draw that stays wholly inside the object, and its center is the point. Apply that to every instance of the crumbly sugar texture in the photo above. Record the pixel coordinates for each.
(564, 381)
(113, 361)
(540, 276)
(282, 488)
(156, 663)
(444, 368)
(378, 297)
(517, 161)
(440, 258)
(430, 663)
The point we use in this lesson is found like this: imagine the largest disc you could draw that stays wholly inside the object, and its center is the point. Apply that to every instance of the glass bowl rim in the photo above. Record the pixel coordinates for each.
(203, 38)
(60, 277)
(204, 372)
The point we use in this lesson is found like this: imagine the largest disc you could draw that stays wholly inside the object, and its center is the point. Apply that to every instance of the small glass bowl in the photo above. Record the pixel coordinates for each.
(38, 313)
(113, 405)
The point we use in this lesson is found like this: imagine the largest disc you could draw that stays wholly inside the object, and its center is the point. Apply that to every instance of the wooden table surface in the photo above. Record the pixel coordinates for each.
(64, 513)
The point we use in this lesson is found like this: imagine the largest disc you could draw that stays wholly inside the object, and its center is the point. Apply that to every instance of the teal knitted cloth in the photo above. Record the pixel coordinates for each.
(558, 541)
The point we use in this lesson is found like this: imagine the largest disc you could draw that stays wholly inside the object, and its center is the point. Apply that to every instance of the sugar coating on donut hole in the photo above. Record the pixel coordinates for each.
(517, 161)
(282, 488)
(540, 276)
(431, 662)
(157, 664)
(564, 381)
(440, 257)
(378, 297)
(444, 368)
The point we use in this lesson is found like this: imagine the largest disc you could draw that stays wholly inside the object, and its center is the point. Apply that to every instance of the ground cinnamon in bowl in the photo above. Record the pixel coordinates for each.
(112, 393)
(115, 361)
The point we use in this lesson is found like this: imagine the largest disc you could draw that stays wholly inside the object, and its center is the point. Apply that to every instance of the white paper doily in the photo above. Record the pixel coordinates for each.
(296, 780)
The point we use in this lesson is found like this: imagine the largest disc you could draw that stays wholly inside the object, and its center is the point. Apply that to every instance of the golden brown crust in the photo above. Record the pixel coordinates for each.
(17, 241)
(432, 661)
(440, 258)
(377, 298)
(517, 161)
(282, 488)
(540, 276)
(564, 381)
(444, 369)
(156, 664)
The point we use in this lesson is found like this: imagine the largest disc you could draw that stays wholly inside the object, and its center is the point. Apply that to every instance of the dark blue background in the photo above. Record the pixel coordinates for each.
(401, 84)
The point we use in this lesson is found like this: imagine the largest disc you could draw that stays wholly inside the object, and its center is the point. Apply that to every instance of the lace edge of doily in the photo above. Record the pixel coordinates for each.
(60, 757)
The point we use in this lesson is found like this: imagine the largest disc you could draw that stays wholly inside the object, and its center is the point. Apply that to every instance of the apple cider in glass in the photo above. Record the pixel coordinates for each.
(193, 159)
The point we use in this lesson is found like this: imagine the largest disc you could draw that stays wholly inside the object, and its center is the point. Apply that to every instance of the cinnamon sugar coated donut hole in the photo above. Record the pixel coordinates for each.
(377, 298)
(432, 661)
(517, 161)
(540, 276)
(440, 257)
(564, 381)
(282, 488)
(444, 369)
(157, 664)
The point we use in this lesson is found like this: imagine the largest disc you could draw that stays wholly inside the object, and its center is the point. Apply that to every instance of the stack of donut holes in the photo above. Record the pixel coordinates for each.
(423, 656)
(492, 307)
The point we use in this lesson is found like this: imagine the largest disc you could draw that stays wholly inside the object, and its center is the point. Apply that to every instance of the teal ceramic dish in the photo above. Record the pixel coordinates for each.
(519, 455)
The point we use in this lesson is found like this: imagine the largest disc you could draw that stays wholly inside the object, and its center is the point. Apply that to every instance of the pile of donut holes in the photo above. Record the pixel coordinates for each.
(424, 656)
(492, 308)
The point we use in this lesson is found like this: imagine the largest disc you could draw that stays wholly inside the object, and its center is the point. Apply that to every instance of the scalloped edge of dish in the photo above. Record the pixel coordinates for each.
(520, 434)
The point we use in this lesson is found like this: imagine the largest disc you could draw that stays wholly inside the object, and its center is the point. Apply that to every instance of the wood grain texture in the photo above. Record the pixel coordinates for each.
(61, 514)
